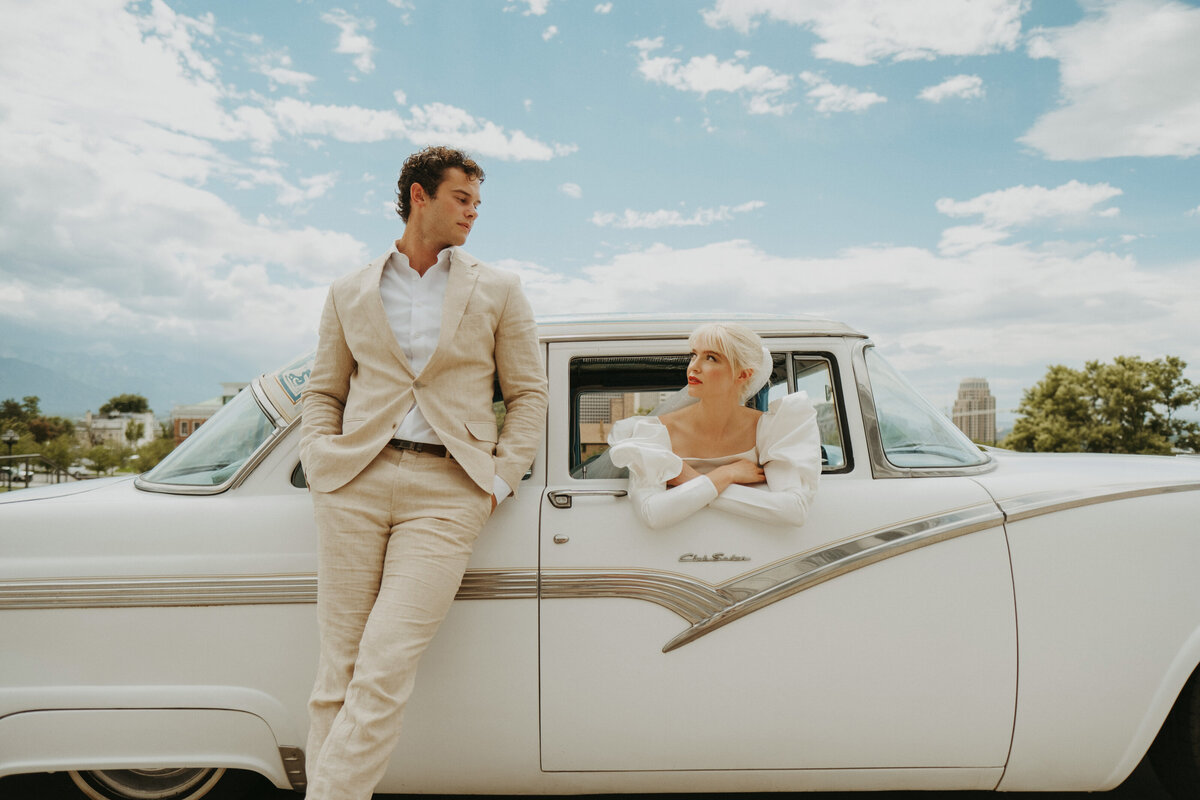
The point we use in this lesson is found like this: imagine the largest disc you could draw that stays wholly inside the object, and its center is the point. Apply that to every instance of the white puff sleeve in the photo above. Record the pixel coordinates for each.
(644, 446)
(789, 448)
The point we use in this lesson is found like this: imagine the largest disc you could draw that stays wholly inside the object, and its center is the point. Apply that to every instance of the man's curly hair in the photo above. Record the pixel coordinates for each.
(427, 168)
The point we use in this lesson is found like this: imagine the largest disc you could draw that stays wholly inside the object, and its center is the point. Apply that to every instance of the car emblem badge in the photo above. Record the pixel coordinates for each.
(691, 557)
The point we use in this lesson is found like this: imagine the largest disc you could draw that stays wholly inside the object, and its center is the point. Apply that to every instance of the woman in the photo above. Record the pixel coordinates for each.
(709, 452)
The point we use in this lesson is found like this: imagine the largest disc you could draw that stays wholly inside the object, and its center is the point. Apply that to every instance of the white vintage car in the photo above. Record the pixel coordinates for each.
(947, 618)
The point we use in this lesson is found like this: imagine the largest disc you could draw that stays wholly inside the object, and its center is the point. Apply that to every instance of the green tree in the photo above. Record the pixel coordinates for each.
(11, 411)
(134, 431)
(61, 450)
(45, 429)
(1128, 406)
(104, 458)
(154, 451)
(125, 404)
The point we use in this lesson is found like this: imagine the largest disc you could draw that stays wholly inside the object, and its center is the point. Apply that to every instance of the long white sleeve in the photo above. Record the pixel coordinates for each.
(789, 448)
(643, 445)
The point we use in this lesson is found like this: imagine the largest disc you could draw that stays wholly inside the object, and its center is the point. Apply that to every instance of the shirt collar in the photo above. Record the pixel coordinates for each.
(401, 260)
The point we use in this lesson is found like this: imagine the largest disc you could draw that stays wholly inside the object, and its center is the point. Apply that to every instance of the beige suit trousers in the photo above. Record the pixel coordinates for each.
(393, 545)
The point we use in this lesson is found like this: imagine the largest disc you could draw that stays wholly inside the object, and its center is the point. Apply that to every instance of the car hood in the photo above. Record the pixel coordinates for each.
(62, 489)
(1021, 479)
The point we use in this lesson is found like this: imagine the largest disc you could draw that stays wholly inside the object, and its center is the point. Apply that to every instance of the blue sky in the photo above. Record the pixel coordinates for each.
(986, 187)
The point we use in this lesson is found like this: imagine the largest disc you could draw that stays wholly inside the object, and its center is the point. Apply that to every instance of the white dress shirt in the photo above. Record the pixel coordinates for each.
(413, 304)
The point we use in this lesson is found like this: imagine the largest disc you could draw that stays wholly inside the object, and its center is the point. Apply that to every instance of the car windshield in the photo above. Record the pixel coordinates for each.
(213, 453)
(914, 433)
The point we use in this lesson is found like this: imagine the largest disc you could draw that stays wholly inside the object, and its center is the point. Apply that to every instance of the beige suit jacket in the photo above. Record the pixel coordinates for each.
(362, 385)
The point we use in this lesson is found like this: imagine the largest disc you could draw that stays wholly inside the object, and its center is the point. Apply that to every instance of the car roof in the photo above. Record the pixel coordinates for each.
(601, 327)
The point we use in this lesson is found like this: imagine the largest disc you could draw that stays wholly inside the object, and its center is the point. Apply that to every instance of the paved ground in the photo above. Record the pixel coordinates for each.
(1142, 785)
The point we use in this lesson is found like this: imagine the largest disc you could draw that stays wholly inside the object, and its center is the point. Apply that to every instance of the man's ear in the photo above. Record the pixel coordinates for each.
(417, 195)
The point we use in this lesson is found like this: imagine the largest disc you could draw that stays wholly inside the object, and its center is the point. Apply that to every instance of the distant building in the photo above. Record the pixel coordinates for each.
(975, 410)
(118, 430)
(599, 410)
(185, 419)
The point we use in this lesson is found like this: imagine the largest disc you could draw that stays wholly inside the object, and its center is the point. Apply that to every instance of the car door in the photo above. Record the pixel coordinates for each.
(881, 633)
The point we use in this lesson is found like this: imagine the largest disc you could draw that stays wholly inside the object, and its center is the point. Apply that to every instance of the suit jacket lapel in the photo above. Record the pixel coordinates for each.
(374, 316)
(463, 274)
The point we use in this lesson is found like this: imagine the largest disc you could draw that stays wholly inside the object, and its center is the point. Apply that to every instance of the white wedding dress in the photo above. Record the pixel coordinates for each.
(787, 445)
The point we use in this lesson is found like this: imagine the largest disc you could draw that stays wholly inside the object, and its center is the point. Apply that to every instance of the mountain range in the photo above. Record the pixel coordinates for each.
(69, 385)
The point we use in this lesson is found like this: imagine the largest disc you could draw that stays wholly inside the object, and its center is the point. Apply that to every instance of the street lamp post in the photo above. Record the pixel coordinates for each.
(10, 438)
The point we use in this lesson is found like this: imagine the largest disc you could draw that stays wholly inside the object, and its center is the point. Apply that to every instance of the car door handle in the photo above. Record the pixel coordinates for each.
(561, 498)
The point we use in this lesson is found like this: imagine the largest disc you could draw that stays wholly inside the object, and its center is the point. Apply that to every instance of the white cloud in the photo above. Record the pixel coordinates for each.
(406, 7)
(401, 97)
(865, 31)
(830, 98)
(344, 123)
(350, 40)
(961, 239)
(1017, 206)
(288, 77)
(603, 8)
(278, 69)
(1010, 308)
(669, 218)
(1127, 86)
(438, 123)
(310, 188)
(1022, 205)
(535, 7)
(1194, 212)
(139, 115)
(429, 124)
(704, 74)
(571, 190)
(549, 33)
(965, 86)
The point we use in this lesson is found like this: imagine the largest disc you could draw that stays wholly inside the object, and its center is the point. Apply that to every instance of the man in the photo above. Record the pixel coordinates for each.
(401, 451)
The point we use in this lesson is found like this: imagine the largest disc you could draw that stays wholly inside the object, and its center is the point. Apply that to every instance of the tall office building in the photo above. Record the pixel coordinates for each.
(975, 410)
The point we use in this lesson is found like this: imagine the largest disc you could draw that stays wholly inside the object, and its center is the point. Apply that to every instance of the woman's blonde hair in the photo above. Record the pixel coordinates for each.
(741, 347)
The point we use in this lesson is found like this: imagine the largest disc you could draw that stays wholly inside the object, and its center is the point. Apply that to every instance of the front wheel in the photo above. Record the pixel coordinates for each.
(177, 783)
(1175, 753)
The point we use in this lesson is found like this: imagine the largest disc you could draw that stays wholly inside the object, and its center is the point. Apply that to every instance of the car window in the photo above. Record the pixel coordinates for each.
(914, 433)
(813, 374)
(607, 389)
(215, 451)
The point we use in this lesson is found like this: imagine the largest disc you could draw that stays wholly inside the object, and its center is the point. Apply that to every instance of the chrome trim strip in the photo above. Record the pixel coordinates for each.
(267, 407)
(228, 590)
(691, 599)
(880, 466)
(1039, 503)
(498, 584)
(225, 590)
(293, 767)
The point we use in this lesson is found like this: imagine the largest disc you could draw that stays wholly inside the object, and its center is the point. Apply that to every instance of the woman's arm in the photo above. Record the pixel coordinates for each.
(644, 446)
(789, 443)
(660, 507)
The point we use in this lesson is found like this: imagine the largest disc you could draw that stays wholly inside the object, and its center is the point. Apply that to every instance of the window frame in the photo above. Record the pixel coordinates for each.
(790, 356)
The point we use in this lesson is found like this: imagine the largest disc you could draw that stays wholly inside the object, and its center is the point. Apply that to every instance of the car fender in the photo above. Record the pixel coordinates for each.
(139, 738)
(1176, 675)
(1107, 632)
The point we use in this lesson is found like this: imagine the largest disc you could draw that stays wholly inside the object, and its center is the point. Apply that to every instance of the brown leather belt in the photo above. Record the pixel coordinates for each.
(421, 447)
